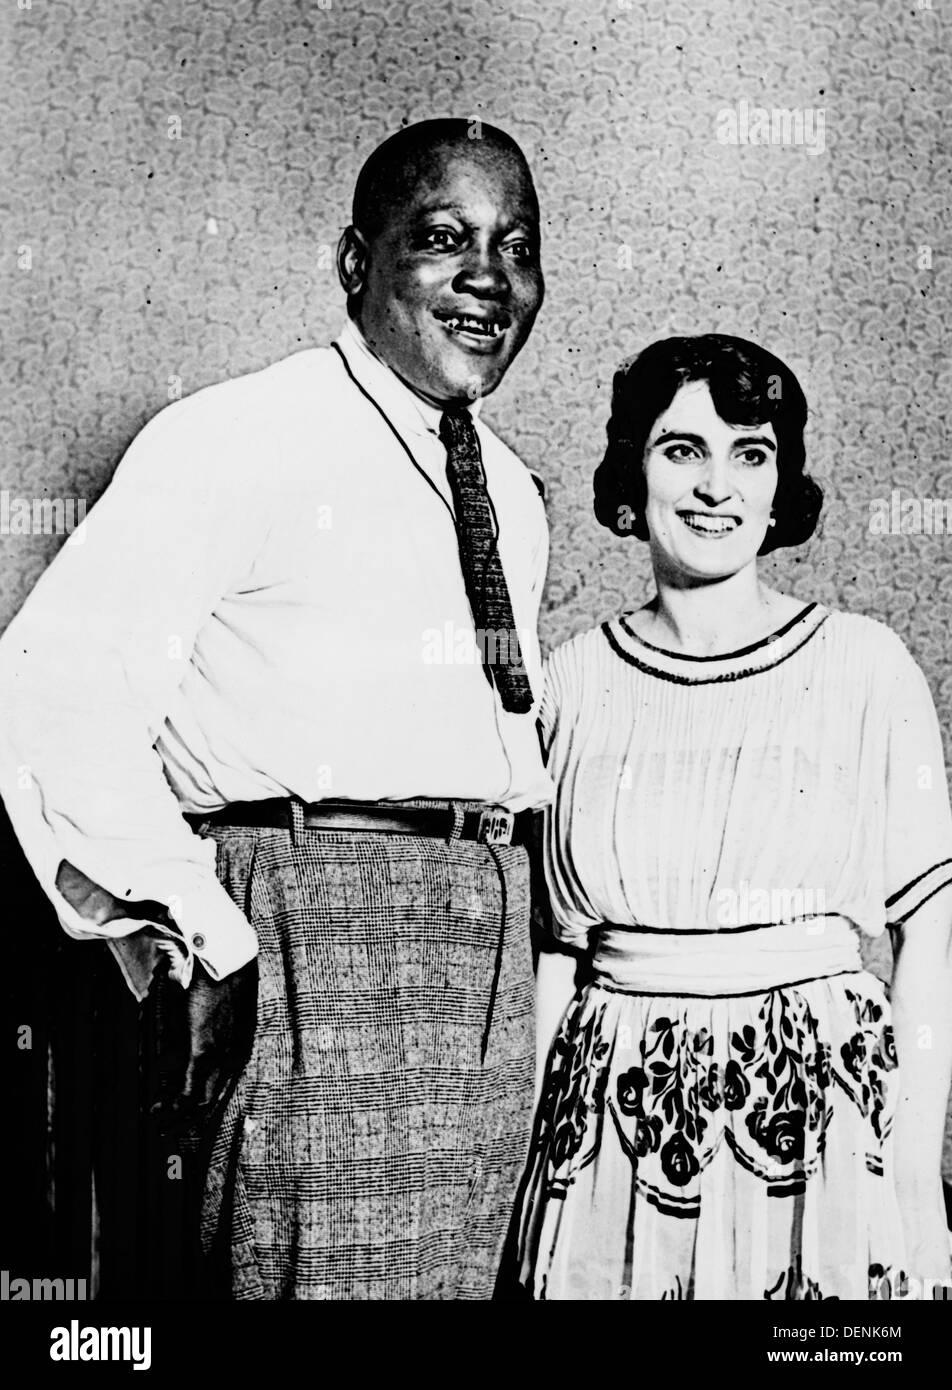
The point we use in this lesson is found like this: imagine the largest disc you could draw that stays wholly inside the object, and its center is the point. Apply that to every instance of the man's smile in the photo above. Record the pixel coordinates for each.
(477, 332)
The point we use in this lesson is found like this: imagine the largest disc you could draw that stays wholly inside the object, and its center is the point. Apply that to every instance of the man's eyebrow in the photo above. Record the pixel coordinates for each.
(528, 222)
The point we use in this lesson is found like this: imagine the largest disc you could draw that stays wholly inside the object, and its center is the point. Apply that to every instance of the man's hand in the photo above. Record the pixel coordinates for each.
(221, 1017)
(140, 952)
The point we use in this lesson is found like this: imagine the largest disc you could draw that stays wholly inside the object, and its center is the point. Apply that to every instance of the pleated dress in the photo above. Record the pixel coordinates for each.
(717, 1110)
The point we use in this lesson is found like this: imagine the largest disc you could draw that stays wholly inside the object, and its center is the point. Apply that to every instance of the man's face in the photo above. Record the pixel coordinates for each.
(452, 283)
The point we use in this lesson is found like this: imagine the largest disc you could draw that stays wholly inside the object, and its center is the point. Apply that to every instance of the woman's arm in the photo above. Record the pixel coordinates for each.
(555, 986)
(922, 1017)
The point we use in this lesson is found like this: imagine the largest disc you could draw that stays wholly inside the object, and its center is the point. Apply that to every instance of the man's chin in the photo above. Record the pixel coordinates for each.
(442, 381)
(456, 388)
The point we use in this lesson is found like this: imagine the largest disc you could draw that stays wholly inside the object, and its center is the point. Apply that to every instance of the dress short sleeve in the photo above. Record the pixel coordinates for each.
(918, 850)
(549, 704)
(569, 916)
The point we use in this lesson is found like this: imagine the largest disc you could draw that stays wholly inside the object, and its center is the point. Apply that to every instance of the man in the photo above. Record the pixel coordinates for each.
(304, 616)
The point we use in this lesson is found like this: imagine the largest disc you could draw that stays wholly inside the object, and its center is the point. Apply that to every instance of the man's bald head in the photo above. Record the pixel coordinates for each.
(410, 156)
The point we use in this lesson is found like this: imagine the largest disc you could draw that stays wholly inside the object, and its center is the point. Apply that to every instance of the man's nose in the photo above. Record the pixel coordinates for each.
(483, 274)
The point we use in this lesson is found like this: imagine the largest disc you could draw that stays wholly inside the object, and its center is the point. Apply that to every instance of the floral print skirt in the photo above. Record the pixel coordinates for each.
(716, 1148)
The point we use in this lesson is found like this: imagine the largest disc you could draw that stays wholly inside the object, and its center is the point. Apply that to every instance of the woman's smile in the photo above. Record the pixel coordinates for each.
(710, 525)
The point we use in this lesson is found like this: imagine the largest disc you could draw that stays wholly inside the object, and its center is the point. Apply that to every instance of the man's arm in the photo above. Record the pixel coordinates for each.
(87, 670)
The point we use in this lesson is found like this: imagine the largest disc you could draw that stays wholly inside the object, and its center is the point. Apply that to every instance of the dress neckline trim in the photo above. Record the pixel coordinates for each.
(682, 669)
(719, 656)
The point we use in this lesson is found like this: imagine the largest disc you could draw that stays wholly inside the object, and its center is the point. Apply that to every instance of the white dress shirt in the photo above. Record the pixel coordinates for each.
(266, 601)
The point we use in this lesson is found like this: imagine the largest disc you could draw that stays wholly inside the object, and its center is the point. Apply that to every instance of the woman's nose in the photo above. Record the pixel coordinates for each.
(714, 484)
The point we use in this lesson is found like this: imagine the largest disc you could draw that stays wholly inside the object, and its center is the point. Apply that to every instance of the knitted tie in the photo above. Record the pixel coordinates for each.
(485, 582)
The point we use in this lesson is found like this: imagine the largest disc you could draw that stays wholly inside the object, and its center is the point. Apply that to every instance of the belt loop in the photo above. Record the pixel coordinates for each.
(458, 817)
(296, 820)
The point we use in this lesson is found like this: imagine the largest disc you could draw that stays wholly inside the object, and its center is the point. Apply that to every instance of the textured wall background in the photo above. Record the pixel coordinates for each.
(134, 262)
(131, 257)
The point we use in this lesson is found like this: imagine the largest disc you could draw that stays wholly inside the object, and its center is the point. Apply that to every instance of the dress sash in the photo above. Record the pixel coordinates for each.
(709, 964)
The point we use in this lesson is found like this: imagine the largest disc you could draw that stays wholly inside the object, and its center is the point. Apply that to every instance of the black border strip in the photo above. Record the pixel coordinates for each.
(720, 656)
(913, 910)
(713, 680)
(894, 897)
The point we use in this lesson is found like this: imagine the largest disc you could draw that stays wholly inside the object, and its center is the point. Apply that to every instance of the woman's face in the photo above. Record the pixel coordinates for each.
(710, 487)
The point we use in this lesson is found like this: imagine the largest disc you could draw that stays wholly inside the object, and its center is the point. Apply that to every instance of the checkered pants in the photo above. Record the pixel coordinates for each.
(374, 1143)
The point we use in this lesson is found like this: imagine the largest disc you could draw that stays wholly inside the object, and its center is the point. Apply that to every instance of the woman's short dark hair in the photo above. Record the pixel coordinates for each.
(748, 385)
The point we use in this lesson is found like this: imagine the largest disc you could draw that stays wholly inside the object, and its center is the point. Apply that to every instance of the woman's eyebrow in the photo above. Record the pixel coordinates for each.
(682, 435)
(761, 439)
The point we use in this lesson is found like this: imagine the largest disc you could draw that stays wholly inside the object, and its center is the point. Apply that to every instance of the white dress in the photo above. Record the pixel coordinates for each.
(716, 1115)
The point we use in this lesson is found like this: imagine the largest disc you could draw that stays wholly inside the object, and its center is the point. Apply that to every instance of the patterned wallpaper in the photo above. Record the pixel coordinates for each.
(178, 175)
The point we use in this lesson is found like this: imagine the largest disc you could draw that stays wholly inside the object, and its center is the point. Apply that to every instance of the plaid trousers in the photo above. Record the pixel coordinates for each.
(373, 1145)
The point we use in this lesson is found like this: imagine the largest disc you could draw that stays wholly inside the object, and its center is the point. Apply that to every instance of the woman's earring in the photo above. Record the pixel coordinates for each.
(772, 521)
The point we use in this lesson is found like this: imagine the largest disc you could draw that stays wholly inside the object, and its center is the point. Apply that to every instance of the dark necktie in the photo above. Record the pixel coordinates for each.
(485, 582)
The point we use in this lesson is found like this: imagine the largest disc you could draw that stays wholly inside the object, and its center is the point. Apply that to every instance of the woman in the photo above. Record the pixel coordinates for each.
(746, 783)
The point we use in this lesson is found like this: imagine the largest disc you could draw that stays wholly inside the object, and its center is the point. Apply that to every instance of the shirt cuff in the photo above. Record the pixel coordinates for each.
(214, 930)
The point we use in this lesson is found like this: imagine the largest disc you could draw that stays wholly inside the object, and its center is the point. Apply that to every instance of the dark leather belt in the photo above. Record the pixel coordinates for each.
(493, 825)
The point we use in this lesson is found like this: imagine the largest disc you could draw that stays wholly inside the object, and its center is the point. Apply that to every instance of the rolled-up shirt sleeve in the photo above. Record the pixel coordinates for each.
(87, 669)
(918, 849)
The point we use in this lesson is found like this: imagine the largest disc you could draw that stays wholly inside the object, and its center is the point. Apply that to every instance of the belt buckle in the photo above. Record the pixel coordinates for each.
(495, 826)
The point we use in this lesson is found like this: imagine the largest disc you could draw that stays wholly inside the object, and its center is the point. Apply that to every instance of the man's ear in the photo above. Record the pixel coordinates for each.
(352, 254)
